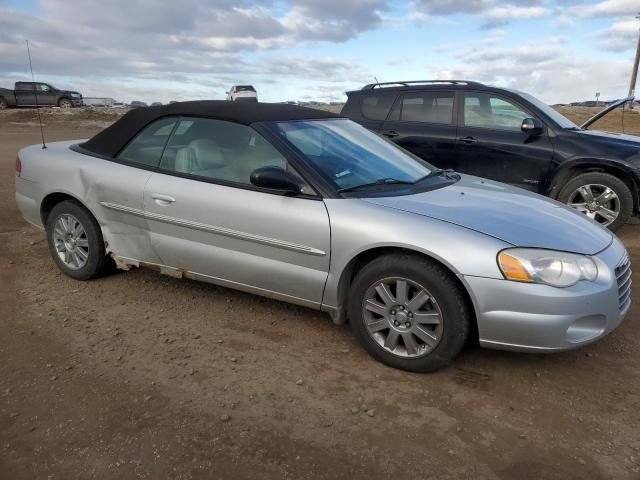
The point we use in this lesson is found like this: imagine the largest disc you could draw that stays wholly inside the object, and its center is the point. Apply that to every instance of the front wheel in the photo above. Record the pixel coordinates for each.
(600, 196)
(75, 241)
(409, 313)
(3, 104)
(65, 103)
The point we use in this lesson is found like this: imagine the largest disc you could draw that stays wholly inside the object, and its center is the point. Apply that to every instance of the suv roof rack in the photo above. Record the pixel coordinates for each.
(406, 83)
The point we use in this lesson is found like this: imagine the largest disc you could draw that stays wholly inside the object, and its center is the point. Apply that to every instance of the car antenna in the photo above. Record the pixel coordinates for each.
(377, 82)
(35, 92)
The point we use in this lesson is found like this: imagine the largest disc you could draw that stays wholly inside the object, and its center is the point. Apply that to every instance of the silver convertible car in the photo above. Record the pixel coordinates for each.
(309, 208)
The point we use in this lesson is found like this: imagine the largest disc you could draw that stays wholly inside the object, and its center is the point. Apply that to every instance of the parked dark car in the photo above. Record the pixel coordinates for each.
(138, 104)
(31, 94)
(509, 136)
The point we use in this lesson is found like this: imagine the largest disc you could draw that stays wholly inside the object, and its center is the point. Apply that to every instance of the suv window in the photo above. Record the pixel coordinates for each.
(484, 110)
(220, 150)
(425, 107)
(146, 148)
(376, 106)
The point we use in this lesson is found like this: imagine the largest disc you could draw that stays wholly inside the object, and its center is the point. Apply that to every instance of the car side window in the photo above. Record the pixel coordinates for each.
(219, 150)
(425, 107)
(376, 106)
(146, 148)
(484, 110)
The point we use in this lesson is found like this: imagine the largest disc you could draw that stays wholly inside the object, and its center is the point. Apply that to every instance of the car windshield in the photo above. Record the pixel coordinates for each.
(557, 117)
(348, 155)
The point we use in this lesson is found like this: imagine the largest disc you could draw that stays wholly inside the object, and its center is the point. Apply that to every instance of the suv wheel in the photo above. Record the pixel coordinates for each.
(600, 196)
(75, 241)
(409, 313)
(65, 103)
(3, 103)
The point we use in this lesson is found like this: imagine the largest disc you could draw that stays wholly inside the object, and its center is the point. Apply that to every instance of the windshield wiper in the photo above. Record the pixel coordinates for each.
(380, 181)
(436, 173)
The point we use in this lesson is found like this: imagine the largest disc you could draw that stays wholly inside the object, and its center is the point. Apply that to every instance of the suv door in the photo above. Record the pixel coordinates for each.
(423, 122)
(207, 220)
(493, 145)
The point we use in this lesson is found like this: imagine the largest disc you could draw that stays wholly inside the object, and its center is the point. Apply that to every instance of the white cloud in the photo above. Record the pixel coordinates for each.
(609, 8)
(552, 73)
(198, 42)
(503, 14)
(493, 12)
(620, 36)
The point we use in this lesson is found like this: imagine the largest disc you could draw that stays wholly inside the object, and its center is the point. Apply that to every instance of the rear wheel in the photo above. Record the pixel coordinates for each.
(408, 312)
(600, 196)
(65, 103)
(75, 241)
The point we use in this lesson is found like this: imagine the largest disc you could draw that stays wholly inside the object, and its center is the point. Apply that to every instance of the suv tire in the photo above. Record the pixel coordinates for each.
(601, 196)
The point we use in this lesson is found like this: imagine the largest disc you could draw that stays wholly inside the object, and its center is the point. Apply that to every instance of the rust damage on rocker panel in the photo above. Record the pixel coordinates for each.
(124, 263)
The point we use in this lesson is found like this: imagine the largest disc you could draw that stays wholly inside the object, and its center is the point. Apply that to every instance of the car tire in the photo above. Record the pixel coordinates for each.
(65, 103)
(598, 183)
(66, 244)
(404, 321)
(3, 104)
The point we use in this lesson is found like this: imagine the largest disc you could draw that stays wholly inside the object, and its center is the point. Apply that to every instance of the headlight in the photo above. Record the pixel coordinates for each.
(75, 95)
(559, 269)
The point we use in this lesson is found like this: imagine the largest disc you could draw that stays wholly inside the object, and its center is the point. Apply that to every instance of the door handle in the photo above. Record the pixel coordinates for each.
(161, 199)
(468, 140)
(390, 133)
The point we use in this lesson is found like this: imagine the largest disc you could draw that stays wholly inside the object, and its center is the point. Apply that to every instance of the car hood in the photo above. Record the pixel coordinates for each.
(619, 139)
(609, 108)
(510, 214)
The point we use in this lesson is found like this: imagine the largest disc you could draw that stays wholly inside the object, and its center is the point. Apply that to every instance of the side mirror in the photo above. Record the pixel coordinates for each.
(275, 178)
(532, 126)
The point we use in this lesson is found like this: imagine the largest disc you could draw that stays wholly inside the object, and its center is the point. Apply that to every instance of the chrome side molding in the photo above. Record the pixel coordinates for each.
(249, 237)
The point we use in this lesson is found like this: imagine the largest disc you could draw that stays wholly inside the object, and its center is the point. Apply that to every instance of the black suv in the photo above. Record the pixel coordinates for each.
(508, 136)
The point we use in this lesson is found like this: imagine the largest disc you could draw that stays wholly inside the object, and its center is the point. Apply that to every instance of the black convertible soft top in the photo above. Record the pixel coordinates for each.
(112, 139)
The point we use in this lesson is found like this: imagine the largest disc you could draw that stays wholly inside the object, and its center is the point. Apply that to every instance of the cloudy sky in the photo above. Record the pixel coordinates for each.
(559, 50)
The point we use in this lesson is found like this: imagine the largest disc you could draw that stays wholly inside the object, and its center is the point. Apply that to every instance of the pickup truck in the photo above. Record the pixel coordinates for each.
(25, 94)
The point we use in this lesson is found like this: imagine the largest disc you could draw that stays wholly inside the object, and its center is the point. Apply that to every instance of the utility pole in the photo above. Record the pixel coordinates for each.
(634, 74)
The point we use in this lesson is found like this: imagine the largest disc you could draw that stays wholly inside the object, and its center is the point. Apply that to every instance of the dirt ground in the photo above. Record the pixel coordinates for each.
(138, 375)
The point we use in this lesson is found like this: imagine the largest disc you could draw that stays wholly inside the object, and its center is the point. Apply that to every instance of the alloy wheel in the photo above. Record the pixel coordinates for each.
(402, 317)
(597, 202)
(70, 241)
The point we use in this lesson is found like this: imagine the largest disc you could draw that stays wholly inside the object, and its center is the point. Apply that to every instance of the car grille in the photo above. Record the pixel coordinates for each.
(623, 277)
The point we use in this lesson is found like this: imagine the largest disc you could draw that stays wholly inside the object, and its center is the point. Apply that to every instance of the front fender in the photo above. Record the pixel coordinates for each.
(358, 226)
(565, 171)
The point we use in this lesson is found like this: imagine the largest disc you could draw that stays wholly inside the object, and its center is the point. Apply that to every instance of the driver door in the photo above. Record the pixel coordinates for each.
(492, 144)
(45, 94)
(208, 221)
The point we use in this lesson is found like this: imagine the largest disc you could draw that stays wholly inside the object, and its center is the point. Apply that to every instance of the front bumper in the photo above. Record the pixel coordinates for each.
(540, 318)
(77, 102)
